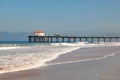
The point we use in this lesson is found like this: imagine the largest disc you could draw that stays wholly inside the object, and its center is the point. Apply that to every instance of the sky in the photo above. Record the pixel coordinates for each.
(60, 16)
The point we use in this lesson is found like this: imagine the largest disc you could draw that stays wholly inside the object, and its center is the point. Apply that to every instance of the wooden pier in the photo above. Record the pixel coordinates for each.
(62, 39)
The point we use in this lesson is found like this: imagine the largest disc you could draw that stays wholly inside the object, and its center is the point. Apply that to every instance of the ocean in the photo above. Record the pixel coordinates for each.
(22, 55)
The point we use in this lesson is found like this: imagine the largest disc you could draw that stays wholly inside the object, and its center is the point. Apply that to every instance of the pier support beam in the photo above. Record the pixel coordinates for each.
(43, 39)
(74, 39)
(63, 39)
(56, 39)
(110, 39)
(29, 39)
(46, 39)
(80, 39)
(92, 39)
(98, 40)
(38, 39)
(86, 39)
(51, 39)
(68, 39)
(116, 39)
(104, 39)
(34, 39)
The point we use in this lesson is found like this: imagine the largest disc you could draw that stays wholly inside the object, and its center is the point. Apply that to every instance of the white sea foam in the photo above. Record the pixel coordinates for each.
(30, 57)
(18, 58)
(11, 46)
(4, 48)
(78, 44)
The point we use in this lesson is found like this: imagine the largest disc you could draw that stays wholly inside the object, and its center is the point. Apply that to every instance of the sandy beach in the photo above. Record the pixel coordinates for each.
(69, 67)
(59, 39)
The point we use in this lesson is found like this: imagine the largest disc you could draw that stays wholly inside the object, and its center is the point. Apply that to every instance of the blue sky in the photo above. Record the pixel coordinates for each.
(60, 16)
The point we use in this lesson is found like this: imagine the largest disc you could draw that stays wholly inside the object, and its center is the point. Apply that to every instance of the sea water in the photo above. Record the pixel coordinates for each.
(21, 55)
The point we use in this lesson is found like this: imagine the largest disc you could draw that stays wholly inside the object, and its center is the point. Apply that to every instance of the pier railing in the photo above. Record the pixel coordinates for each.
(50, 39)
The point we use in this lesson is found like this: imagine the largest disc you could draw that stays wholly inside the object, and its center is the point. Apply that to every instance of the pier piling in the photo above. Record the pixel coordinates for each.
(69, 39)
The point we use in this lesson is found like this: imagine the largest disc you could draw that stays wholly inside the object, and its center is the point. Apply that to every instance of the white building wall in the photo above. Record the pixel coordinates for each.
(39, 34)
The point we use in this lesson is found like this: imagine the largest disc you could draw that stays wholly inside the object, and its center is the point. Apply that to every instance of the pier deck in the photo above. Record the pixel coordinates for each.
(50, 39)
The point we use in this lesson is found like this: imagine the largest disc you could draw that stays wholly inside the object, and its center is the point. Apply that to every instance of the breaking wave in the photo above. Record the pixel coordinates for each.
(16, 57)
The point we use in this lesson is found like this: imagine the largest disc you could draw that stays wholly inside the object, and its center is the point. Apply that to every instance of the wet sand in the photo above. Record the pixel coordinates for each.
(99, 69)
(85, 53)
